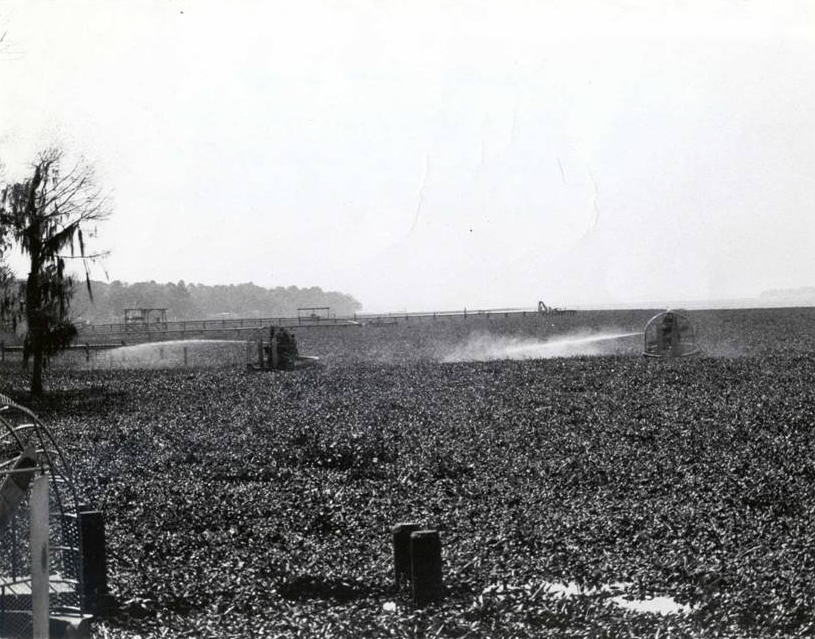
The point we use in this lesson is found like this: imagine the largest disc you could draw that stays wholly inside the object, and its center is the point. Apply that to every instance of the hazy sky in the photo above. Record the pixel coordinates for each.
(433, 154)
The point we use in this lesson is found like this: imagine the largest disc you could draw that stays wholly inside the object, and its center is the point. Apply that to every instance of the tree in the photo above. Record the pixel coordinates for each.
(49, 216)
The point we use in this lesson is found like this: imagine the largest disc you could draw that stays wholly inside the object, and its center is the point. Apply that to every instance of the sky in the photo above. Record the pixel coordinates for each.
(432, 155)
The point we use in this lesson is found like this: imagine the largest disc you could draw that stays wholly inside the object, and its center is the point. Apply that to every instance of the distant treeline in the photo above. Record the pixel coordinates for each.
(197, 301)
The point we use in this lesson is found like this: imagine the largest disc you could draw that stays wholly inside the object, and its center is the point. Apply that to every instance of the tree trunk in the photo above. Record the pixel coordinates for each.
(34, 316)
(36, 373)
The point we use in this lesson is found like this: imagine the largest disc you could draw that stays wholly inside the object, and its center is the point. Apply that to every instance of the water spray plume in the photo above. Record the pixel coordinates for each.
(172, 354)
(489, 347)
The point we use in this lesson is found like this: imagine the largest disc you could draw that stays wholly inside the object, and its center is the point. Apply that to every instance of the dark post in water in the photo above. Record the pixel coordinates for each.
(401, 552)
(425, 556)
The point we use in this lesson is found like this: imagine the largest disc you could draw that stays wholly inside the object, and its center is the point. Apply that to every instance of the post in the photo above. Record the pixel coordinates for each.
(273, 353)
(94, 560)
(260, 353)
(90, 525)
(425, 558)
(39, 557)
(185, 357)
(401, 552)
(15, 559)
(87, 352)
(3, 351)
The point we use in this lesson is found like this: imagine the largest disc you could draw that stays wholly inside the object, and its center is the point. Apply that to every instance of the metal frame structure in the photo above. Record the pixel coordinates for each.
(138, 318)
(310, 314)
(669, 334)
(543, 309)
(28, 451)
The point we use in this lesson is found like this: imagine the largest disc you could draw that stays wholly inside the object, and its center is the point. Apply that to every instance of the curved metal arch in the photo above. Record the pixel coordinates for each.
(669, 334)
(23, 436)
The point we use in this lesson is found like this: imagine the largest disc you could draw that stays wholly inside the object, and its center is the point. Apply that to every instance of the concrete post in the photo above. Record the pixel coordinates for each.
(39, 557)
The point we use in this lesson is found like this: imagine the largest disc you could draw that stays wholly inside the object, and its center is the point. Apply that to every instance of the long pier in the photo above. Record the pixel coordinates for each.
(139, 332)
(111, 335)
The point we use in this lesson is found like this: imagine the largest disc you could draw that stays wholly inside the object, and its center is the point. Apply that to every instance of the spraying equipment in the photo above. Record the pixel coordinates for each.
(281, 353)
(543, 309)
(670, 334)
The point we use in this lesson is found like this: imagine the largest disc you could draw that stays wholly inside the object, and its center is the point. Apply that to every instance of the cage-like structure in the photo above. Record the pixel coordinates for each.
(142, 319)
(313, 314)
(670, 334)
(28, 452)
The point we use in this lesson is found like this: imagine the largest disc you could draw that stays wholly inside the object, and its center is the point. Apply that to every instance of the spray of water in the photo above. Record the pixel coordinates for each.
(172, 354)
(482, 347)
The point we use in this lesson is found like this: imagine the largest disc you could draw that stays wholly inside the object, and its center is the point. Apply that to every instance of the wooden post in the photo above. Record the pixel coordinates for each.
(260, 354)
(273, 353)
(401, 552)
(90, 525)
(87, 352)
(39, 556)
(3, 351)
(185, 357)
(425, 559)
(94, 560)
